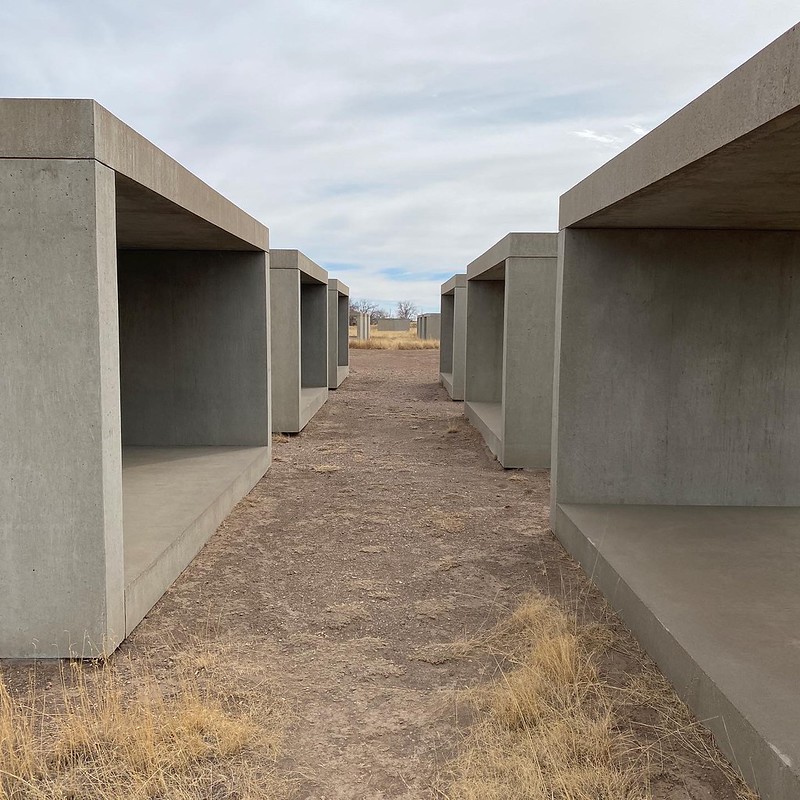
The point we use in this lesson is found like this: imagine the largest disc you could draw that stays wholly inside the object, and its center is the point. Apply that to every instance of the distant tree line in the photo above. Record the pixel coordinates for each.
(405, 309)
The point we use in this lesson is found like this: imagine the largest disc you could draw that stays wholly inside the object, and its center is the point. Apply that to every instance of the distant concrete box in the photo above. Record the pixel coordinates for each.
(508, 380)
(429, 326)
(299, 303)
(134, 399)
(338, 333)
(388, 324)
(362, 325)
(676, 474)
(453, 340)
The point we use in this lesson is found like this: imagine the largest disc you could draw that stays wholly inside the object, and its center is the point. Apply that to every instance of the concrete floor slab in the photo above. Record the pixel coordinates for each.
(488, 419)
(173, 500)
(713, 594)
(312, 398)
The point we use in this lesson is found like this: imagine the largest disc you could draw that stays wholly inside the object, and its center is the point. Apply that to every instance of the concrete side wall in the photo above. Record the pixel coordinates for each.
(528, 353)
(446, 340)
(677, 368)
(459, 341)
(285, 334)
(61, 571)
(343, 332)
(193, 348)
(313, 334)
(483, 377)
(431, 326)
(395, 325)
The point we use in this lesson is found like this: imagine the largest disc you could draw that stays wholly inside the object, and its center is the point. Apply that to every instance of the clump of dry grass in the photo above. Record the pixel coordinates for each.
(104, 736)
(552, 726)
(394, 340)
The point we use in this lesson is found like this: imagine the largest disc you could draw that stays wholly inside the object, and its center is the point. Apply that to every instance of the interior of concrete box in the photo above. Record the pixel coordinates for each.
(484, 391)
(343, 348)
(193, 386)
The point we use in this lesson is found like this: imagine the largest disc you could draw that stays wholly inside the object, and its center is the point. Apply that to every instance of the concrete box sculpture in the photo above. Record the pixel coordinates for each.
(429, 326)
(453, 341)
(134, 402)
(299, 303)
(508, 381)
(338, 333)
(394, 325)
(676, 473)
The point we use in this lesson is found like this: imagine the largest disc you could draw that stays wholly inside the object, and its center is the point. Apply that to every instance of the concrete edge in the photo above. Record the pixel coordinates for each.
(308, 411)
(294, 259)
(761, 766)
(514, 245)
(335, 285)
(341, 374)
(458, 281)
(83, 129)
(492, 438)
(760, 90)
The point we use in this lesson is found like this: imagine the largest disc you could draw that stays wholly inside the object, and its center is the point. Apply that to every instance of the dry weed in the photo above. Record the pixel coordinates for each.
(109, 735)
(553, 727)
(394, 340)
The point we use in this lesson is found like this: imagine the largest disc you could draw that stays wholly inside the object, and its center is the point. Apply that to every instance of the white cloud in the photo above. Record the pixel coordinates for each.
(386, 135)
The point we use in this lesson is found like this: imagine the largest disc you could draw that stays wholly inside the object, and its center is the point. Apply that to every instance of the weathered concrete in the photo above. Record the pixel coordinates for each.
(676, 372)
(338, 333)
(299, 320)
(362, 325)
(388, 324)
(453, 342)
(77, 186)
(510, 323)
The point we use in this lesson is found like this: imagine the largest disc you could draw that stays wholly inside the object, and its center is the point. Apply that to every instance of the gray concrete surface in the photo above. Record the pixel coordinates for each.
(72, 195)
(338, 332)
(390, 324)
(676, 464)
(453, 341)
(173, 497)
(362, 325)
(712, 594)
(299, 323)
(510, 322)
(429, 326)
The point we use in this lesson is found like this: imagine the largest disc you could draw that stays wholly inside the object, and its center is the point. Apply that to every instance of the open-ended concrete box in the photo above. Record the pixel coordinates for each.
(676, 470)
(508, 380)
(429, 326)
(299, 303)
(338, 333)
(134, 398)
(453, 342)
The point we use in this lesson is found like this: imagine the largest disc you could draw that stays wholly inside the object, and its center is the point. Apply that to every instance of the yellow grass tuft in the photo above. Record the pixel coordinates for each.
(551, 726)
(106, 736)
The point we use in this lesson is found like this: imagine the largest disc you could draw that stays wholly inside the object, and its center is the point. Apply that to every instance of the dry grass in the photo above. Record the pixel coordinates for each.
(394, 340)
(552, 726)
(105, 734)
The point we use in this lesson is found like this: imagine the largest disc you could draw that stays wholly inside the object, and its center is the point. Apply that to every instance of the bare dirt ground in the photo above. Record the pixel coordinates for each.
(381, 534)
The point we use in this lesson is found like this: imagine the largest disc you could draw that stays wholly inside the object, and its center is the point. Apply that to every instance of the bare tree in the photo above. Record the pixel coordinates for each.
(406, 310)
(366, 307)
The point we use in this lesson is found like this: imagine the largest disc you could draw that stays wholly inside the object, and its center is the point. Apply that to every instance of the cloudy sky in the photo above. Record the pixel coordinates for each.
(392, 142)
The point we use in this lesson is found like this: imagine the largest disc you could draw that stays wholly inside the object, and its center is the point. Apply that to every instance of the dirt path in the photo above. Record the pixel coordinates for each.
(382, 533)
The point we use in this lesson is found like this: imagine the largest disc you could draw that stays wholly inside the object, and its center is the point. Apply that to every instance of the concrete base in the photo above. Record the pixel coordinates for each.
(312, 398)
(713, 594)
(174, 498)
(488, 419)
(446, 380)
(341, 374)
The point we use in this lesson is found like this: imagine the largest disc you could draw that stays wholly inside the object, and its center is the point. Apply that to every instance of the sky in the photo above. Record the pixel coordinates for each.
(391, 142)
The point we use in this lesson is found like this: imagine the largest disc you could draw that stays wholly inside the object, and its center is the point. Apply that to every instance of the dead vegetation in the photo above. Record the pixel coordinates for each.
(394, 340)
(557, 725)
(107, 734)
